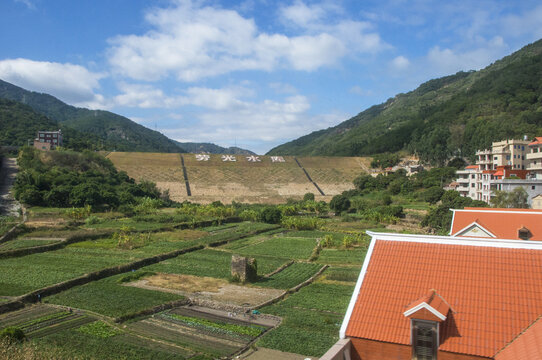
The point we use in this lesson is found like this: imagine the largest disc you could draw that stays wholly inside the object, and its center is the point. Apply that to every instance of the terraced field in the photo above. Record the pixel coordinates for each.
(263, 179)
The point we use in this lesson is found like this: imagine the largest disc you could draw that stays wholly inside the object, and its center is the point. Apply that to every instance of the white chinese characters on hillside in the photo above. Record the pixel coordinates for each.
(228, 158)
(277, 159)
(203, 157)
(253, 158)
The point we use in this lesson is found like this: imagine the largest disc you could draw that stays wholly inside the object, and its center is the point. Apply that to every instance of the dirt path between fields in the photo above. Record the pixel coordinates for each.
(8, 171)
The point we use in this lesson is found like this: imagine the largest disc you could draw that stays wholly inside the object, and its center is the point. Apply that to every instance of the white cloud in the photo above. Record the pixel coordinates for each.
(29, 4)
(358, 90)
(400, 63)
(448, 61)
(71, 83)
(527, 23)
(193, 41)
(302, 15)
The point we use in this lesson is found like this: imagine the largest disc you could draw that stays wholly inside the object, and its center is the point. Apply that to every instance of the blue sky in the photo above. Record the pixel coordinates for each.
(254, 73)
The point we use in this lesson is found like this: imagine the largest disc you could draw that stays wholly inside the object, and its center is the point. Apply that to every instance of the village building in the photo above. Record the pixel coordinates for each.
(514, 224)
(441, 297)
(48, 140)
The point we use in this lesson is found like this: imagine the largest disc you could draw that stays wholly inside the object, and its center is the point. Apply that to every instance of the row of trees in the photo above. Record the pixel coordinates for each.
(68, 178)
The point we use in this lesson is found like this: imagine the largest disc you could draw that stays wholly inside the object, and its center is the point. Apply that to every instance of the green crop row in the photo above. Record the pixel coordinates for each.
(252, 330)
(99, 329)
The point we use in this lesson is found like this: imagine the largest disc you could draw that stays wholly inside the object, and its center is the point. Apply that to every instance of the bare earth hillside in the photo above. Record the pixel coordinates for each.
(248, 179)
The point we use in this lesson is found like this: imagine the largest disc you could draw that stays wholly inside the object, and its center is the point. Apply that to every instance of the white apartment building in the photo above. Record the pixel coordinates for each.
(509, 164)
(534, 156)
(506, 152)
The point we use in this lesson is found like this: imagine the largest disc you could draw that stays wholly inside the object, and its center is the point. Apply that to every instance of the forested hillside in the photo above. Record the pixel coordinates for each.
(197, 148)
(115, 131)
(450, 116)
(20, 123)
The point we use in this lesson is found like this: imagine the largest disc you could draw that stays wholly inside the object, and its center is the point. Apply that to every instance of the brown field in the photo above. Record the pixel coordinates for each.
(207, 288)
(242, 181)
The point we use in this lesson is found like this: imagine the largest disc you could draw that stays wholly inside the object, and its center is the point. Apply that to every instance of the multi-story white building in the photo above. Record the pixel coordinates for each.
(467, 181)
(508, 165)
(534, 156)
(506, 152)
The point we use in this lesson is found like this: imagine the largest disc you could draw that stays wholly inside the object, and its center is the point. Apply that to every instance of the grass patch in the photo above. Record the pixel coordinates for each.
(31, 272)
(306, 332)
(344, 274)
(291, 276)
(99, 329)
(109, 298)
(79, 345)
(25, 243)
(282, 247)
(342, 256)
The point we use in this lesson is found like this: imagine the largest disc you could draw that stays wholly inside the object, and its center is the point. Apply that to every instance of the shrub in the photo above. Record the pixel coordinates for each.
(302, 223)
(308, 197)
(12, 334)
(78, 213)
(93, 220)
(271, 215)
(339, 203)
(249, 215)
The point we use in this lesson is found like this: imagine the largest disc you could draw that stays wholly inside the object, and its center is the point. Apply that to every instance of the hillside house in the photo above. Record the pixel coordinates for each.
(439, 297)
(514, 224)
(53, 138)
(534, 157)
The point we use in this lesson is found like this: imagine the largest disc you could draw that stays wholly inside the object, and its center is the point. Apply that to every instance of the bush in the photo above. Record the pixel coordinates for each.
(93, 220)
(271, 215)
(12, 334)
(432, 195)
(302, 223)
(308, 197)
(339, 203)
(249, 215)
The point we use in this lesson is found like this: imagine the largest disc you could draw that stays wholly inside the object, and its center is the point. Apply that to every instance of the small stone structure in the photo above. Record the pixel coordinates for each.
(243, 268)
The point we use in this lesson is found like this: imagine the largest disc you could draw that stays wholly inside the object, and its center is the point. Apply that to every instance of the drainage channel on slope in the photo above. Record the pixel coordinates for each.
(308, 176)
(185, 175)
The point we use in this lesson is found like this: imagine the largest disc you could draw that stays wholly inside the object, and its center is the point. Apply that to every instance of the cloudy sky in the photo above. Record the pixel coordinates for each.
(254, 73)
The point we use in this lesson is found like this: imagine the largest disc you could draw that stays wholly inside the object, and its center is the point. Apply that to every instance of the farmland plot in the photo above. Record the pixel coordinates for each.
(40, 321)
(199, 331)
(109, 297)
(311, 319)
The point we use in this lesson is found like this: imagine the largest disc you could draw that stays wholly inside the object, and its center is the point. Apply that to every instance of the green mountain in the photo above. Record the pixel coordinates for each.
(450, 116)
(197, 148)
(20, 123)
(114, 131)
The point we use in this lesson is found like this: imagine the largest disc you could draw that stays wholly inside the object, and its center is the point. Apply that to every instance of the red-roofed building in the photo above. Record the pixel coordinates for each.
(518, 224)
(434, 297)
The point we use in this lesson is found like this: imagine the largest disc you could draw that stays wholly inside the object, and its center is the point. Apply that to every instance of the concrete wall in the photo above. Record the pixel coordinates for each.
(340, 351)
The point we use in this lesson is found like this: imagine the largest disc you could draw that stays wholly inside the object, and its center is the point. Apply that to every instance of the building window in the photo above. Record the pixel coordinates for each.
(533, 187)
(507, 157)
(424, 340)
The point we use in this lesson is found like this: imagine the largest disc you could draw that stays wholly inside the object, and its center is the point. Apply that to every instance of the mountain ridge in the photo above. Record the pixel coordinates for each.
(448, 116)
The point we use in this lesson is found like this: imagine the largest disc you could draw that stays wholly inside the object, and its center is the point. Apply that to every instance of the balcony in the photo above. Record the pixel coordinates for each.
(483, 152)
(463, 181)
(532, 156)
(537, 167)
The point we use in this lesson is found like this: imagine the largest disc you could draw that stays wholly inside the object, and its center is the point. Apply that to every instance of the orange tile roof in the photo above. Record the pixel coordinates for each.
(536, 141)
(494, 290)
(527, 346)
(431, 301)
(472, 167)
(503, 223)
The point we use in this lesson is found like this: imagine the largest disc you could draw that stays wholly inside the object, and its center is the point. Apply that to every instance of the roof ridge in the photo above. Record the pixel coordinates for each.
(518, 335)
(441, 298)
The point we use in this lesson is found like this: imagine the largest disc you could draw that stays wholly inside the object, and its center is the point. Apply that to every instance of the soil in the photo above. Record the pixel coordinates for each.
(206, 288)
